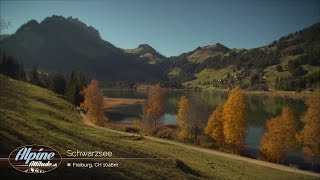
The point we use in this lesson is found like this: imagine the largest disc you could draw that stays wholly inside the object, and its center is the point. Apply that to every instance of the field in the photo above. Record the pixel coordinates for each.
(209, 75)
(33, 115)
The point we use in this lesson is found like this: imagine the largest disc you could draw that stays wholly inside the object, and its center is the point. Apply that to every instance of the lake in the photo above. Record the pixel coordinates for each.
(259, 110)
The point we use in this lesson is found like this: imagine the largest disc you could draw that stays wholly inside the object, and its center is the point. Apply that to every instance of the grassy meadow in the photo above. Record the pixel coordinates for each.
(33, 115)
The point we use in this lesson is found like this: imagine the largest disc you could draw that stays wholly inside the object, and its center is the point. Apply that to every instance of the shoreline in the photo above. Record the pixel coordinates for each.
(277, 93)
(110, 103)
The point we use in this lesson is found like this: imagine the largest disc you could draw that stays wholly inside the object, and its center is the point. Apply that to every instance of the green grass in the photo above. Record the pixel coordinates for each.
(33, 115)
(272, 74)
(209, 75)
(284, 60)
(311, 69)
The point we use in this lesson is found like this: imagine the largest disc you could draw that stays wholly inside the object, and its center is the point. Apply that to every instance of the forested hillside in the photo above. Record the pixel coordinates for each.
(290, 63)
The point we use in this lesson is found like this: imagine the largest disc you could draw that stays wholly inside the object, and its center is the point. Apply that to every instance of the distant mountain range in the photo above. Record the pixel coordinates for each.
(69, 44)
(202, 53)
(59, 43)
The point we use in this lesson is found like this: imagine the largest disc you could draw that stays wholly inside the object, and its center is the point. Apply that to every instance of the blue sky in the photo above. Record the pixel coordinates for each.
(175, 26)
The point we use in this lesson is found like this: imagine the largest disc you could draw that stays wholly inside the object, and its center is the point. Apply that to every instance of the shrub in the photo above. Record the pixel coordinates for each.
(164, 131)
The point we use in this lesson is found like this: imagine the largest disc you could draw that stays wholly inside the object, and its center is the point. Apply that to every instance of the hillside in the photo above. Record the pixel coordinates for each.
(33, 115)
(203, 53)
(59, 43)
(147, 53)
(290, 63)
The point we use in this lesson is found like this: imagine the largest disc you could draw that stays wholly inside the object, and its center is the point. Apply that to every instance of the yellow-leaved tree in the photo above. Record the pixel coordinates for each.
(214, 127)
(235, 124)
(309, 137)
(153, 108)
(182, 118)
(279, 136)
(93, 103)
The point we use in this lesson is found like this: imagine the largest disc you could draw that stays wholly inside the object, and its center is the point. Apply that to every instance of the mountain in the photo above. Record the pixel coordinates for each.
(200, 54)
(290, 63)
(147, 53)
(59, 43)
(3, 36)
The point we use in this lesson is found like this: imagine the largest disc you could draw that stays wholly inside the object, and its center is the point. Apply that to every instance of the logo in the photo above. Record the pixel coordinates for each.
(34, 159)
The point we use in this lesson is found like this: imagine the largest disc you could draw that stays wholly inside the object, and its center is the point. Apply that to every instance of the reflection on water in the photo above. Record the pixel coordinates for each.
(260, 109)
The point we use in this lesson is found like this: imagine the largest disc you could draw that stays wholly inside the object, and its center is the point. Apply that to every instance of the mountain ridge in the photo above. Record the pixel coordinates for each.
(68, 44)
(147, 53)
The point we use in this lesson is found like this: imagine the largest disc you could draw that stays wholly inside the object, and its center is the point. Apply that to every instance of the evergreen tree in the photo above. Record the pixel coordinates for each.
(11, 67)
(58, 83)
(35, 76)
(22, 74)
(71, 89)
(74, 88)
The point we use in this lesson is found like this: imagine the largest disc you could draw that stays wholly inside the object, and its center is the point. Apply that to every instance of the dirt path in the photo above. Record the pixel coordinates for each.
(210, 151)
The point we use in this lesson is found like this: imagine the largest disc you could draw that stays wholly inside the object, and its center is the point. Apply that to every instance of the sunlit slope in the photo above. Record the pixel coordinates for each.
(33, 115)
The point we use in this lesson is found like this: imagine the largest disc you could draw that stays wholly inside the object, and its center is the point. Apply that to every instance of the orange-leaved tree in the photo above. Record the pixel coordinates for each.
(214, 127)
(93, 103)
(182, 118)
(309, 137)
(279, 136)
(153, 108)
(235, 124)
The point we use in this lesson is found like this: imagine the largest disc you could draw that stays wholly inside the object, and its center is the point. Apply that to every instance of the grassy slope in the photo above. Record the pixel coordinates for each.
(272, 73)
(209, 75)
(32, 115)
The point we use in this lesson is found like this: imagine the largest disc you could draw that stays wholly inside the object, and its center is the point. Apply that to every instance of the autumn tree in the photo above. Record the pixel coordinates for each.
(191, 118)
(182, 118)
(214, 127)
(153, 108)
(93, 103)
(279, 136)
(309, 137)
(235, 124)
(197, 119)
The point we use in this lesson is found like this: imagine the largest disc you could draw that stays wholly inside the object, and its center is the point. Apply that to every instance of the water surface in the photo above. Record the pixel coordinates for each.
(259, 110)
